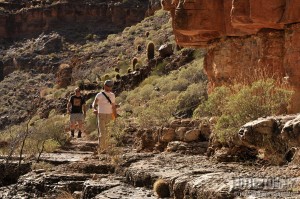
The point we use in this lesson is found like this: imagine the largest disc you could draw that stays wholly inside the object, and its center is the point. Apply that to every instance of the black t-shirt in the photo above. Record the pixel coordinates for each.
(76, 103)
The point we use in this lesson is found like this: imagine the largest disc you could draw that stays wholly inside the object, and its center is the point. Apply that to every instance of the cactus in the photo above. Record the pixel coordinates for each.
(139, 47)
(117, 69)
(150, 50)
(134, 62)
(118, 76)
(161, 188)
(147, 34)
(105, 77)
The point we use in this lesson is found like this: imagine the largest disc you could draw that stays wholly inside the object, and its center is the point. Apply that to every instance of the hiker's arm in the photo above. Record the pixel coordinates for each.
(95, 105)
(68, 107)
(84, 109)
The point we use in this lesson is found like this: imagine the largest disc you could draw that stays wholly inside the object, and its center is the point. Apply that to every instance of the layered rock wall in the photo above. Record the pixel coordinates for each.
(33, 20)
(245, 39)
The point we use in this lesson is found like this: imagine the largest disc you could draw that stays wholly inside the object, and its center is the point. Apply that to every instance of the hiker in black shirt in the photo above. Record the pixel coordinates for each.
(77, 110)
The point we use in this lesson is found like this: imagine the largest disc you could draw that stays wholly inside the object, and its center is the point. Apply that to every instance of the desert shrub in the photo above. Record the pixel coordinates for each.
(138, 41)
(153, 79)
(137, 66)
(116, 129)
(121, 98)
(123, 66)
(158, 111)
(52, 128)
(39, 142)
(145, 92)
(12, 136)
(193, 73)
(174, 84)
(159, 68)
(189, 99)
(60, 93)
(158, 98)
(240, 104)
(37, 136)
(64, 195)
(213, 106)
(91, 125)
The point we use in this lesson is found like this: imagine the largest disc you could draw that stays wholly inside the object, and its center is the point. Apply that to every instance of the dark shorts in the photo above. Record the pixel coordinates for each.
(76, 117)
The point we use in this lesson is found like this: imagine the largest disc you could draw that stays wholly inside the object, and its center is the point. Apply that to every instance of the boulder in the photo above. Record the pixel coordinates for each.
(167, 135)
(165, 50)
(272, 135)
(64, 75)
(180, 132)
(191, 135)
(291, 132)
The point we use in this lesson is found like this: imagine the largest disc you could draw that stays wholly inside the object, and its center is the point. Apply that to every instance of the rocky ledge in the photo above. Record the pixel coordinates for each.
(130, 173)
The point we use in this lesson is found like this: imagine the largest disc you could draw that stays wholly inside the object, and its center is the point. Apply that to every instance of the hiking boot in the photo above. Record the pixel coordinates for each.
(79, 134)
(72, 133)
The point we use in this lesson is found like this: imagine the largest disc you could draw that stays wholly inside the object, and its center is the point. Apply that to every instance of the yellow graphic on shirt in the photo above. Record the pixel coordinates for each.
(77, 102)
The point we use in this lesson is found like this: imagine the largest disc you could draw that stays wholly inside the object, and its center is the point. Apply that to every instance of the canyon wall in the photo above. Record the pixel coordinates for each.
(245, 39)
(32, 19)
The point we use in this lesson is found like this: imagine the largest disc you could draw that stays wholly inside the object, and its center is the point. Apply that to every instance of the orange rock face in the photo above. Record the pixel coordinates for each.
(245, 39)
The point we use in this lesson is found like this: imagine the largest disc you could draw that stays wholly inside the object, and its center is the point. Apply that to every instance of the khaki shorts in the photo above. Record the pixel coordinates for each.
(76, 117)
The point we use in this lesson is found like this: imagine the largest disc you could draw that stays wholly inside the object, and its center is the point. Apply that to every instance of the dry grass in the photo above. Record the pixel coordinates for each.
(64, 195)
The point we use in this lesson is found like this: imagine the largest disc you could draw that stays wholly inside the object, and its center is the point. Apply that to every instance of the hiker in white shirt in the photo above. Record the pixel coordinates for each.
(105, 108)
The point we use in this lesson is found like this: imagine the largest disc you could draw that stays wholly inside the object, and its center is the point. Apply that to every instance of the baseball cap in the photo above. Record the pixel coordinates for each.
(109, 83)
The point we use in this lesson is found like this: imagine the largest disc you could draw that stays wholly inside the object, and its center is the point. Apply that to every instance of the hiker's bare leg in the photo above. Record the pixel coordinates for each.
(72, 128)
(80, 128)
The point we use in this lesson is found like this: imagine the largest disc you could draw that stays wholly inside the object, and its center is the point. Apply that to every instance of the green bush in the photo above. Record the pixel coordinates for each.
(240, 104)
(159, 98)
(157, 112)
(191, 97)
(116, 129)
(91, 125)
(52, 128)
(41, 136)
(215, 103)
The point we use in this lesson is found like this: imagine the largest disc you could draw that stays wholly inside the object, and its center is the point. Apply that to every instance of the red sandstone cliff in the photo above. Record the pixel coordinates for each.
(242, 37)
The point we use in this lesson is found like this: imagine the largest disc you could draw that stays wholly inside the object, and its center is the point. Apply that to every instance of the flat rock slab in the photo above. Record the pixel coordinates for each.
(197, 177)
(65, 157)
(126, 192)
